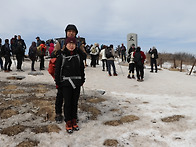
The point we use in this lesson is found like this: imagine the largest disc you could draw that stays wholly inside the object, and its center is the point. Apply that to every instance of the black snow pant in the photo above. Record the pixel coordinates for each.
(42, 62)
(32, 65)
(71, 97)
(1, 63)
(131, 68)
(19, 59)
(8, 63)
(93, 60)
(140, 71)
(153, 62)
(59, 101)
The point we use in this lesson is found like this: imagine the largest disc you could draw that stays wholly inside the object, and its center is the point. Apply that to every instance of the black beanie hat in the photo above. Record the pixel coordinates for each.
(71, 27)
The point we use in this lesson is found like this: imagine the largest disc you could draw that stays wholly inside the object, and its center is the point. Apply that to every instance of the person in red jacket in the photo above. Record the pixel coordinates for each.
(43, 52)
(139, 58)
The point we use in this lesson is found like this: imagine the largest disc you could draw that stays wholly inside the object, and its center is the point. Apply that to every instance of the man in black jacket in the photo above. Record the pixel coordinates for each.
(20, 52)
(70, 31)
(153, 58)
(7, 55)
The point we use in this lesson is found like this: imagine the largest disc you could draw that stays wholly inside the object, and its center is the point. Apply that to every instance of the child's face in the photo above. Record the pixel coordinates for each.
(71, 46)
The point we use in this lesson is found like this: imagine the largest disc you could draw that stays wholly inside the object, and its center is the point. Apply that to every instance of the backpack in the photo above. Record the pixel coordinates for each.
(93, 50)
(41, 50)
(138, 59)
(2, 51)
(108, 53)
(51, 67)
(31, 52)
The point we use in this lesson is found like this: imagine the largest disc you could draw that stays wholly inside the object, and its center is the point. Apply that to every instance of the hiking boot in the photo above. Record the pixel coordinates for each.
(59, 118)
(74, 125)
(128, 77)
(69, 127)
(115, 74)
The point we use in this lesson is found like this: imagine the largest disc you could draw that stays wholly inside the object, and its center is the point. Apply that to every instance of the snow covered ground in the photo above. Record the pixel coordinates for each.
(162, 95)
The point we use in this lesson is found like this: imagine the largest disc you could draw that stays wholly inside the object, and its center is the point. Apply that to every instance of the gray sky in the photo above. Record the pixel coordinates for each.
(170, 25)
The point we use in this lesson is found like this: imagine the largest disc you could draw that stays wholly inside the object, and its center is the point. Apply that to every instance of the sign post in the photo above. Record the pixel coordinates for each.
(131, 39)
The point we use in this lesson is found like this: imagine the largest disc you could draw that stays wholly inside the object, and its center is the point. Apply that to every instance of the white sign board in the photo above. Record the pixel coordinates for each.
(131, 39)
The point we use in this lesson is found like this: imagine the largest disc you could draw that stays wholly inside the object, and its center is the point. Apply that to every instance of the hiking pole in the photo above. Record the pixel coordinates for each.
(120, 66)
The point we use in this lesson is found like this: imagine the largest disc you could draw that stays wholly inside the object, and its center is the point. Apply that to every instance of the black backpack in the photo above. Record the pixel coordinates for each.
(138, 58)
(108, 52)
(2, 51)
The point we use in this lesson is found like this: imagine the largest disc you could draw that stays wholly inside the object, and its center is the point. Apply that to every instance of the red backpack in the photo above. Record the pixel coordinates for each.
(51, 67)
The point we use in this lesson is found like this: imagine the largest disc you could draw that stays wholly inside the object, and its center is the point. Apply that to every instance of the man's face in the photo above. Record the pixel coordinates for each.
(71, 33)
(19, 37)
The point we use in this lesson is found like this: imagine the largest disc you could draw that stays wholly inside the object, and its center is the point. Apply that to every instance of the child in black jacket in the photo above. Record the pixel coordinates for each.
(69, 76)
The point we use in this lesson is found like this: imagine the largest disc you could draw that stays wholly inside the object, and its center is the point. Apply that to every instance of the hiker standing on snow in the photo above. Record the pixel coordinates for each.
(33, 55)
(69, 77)
(130, 60)
(97, 58)
(51, 48)
(41, 51)
(13, 43)
(153, 58)
(83, 48)
(70, 31)
(94, 51)
(139, 58)
(109, 52)
(20, 52)
(123, 52)
(7, 54)
(103, 58)
(1, 55)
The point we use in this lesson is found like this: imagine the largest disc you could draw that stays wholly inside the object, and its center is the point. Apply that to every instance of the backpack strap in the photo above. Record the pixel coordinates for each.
(72, 77)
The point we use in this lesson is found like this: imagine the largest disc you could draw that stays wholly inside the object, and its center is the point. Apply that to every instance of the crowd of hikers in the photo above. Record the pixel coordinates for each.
(67, 64)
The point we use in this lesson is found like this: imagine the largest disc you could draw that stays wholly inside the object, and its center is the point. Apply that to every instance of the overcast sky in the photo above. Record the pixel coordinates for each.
(170, 25)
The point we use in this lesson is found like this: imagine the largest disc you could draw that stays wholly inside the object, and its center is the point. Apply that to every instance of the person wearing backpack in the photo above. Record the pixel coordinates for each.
(109, 52)
(41, 51)
(20, 52)
(94, 51)
(7, 55)
(139, 58)
(33, 55)
(153, 58)
(130, 60)
(70, 31)
(1, 55)
(123, 53)
(70, 76)
(103, 58)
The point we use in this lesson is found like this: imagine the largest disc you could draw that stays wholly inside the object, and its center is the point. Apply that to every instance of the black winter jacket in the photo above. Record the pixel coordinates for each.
(69, 68)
